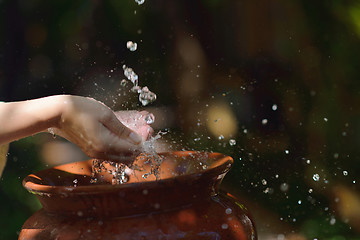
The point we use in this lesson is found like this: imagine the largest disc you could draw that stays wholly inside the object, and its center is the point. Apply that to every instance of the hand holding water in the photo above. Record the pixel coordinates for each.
(100, 132)
(84, 121)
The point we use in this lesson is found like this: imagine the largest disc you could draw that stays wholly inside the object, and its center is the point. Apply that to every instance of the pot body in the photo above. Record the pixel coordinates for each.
(184, 203)
(217, 217)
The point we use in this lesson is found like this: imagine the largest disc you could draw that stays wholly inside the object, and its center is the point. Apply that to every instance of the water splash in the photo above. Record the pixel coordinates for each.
(117, 171)
(149, 156)
(131, 75)
(145, 95)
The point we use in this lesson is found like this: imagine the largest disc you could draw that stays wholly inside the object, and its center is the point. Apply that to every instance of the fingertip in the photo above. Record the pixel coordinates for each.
(135, 138)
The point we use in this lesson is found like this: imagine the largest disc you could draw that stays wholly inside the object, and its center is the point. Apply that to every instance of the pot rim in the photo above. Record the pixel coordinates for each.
(220, 166)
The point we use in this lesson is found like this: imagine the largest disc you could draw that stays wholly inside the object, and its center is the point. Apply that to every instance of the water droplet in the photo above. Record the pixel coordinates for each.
(345, 173)
(146, 96)
(150, 119)
(132, 46)
(332, 221)
(310, 190)
(308, 161)
(232, 142)
(274, 107)
(287, 151)
(269, 190)
(325, 119)
(224, 226)
(139, 1)
(316, 177)
(264, 121)
(197, 139)
(221, 137)
(264, 182)
(52, 131)
(136, 89)
(299, 202)
(228, 211)
(123, 82)
(284, 187)
(131, 75)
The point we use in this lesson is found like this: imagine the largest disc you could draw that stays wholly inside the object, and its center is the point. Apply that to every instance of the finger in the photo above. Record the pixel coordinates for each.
(134, 119)
(113, 144)
(120, 130)
(123, 116)
(145, 132)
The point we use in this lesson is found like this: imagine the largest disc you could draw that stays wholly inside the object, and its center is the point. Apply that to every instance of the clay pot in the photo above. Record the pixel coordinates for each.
(183, 204)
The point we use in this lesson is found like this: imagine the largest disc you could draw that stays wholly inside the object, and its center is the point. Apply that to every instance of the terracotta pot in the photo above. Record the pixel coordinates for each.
(183, 204)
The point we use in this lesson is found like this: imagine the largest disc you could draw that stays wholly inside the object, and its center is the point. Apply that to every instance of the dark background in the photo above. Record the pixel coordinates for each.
(282, 78)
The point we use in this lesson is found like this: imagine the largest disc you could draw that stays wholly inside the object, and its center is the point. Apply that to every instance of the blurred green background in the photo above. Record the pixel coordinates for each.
(281, 78)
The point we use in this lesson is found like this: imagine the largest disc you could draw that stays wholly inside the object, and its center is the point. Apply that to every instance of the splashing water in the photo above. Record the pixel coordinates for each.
(145, 95)
(148, 157)
(136, 89)
(117, 171)
(131, 75)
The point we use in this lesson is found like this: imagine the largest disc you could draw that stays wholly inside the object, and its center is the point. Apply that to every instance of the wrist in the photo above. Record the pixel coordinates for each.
(57, 105)
(51, 111)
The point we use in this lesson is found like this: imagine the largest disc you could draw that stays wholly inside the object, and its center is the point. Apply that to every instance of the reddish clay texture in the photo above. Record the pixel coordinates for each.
(183, 204)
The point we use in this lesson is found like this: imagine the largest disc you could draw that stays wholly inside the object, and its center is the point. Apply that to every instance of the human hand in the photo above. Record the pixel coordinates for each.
(137, 121)
(98, 131)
